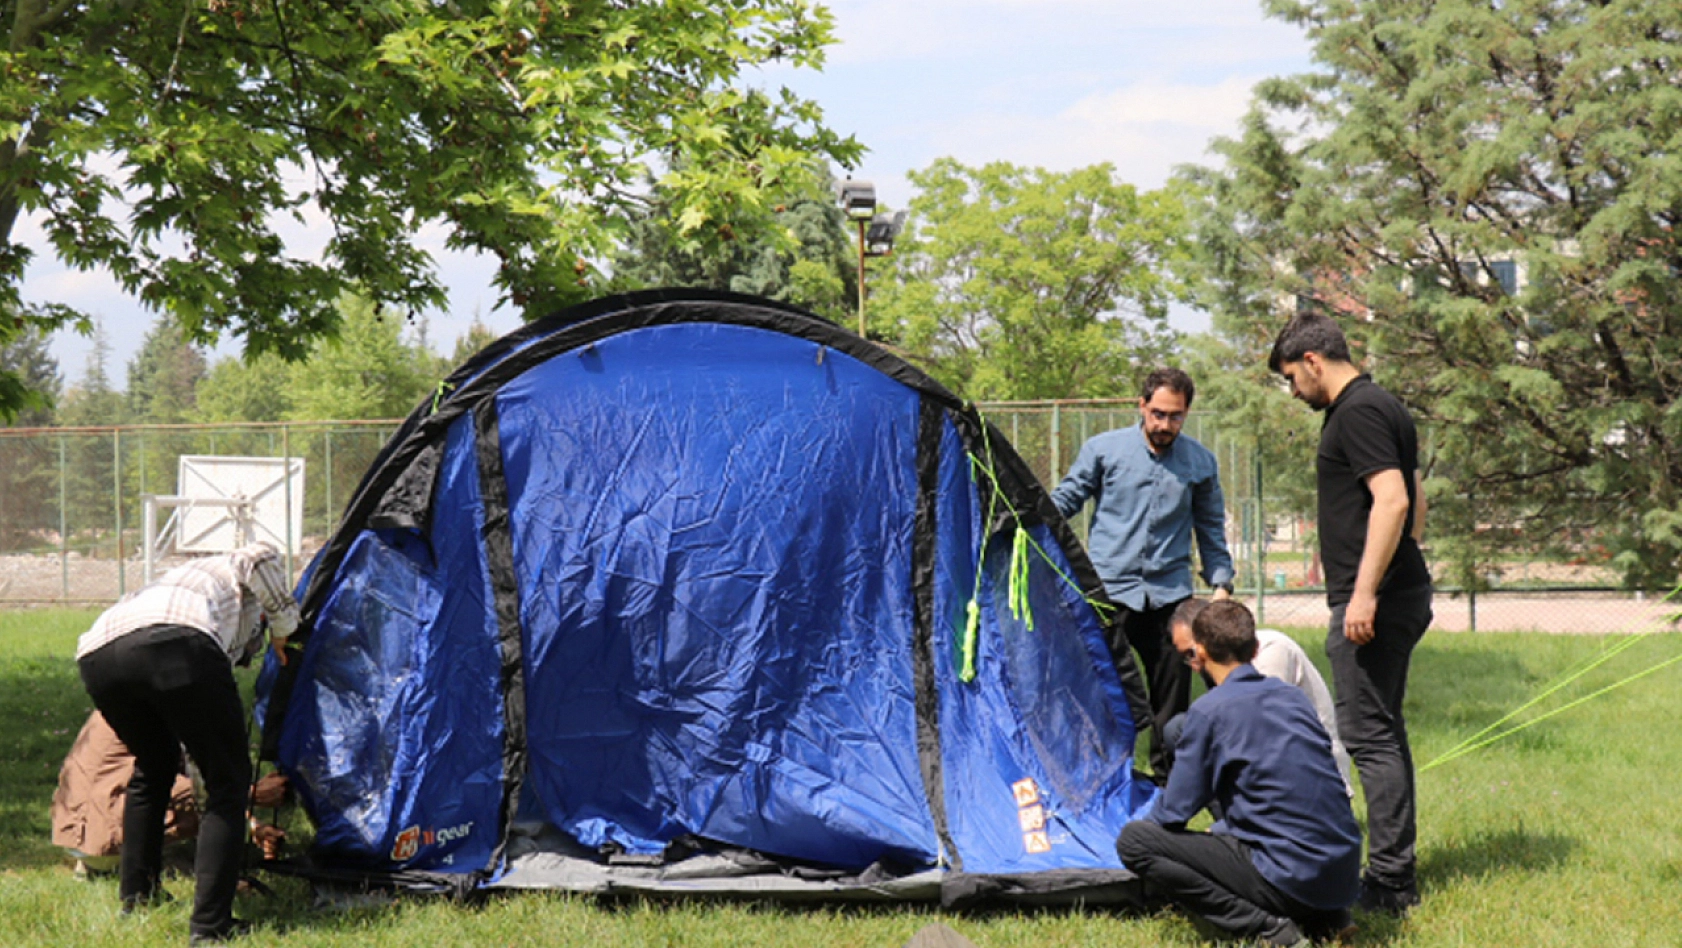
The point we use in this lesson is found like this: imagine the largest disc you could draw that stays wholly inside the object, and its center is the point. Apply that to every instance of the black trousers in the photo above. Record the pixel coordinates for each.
(162, 687)
(1212, 877)
(1167, 676)
(1371, 682)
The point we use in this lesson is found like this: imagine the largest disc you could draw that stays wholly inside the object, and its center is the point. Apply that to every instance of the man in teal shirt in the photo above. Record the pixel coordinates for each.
(1152, 489)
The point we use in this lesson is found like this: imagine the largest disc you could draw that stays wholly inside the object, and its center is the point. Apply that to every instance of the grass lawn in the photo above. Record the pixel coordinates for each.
(1566, 834)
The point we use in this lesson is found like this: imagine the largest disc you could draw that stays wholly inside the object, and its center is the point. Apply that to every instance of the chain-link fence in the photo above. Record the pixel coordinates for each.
(1273, 543)
(72, 499)
(71, 529)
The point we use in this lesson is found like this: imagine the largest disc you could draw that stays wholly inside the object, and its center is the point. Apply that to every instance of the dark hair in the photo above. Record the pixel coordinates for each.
(1305, 333)
(1171, 379)
(1186, 612)
(1227, 632)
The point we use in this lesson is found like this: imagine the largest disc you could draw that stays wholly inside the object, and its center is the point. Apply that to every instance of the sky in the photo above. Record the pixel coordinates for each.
(1060, 84)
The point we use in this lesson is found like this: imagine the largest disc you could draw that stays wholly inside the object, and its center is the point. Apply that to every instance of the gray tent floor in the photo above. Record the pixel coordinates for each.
(542, 857)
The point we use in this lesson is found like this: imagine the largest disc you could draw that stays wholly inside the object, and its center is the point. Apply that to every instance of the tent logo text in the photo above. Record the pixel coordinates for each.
(408, 843)
(412, 839)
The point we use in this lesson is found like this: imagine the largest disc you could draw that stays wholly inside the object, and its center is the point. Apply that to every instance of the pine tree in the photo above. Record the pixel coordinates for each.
(1487, 195)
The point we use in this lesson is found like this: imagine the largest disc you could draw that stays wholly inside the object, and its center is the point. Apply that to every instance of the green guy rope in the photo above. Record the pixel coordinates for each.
(1483, 739)
(1464, 750)
(1567, 678)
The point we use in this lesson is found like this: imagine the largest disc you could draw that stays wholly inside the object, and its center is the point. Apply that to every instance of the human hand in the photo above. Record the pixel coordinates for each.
(1221, 592)
(270, 791)
(269, 838)
(1358, 618)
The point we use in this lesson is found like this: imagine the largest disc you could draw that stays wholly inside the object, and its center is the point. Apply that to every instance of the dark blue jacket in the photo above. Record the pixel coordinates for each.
(1255, 744)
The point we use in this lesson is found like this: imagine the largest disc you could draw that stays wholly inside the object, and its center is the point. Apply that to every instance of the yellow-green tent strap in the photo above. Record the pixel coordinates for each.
(438, 394)
(966, 648)
(1100, 607)
(1020, 607)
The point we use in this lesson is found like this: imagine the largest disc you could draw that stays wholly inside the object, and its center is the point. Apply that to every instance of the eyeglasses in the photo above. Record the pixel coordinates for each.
(1171, 417)
(1190, 655)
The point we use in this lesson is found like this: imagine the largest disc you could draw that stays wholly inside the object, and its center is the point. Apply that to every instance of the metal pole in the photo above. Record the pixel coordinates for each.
(63, 525)
(861, 280)
(1261, 546)
(1056, 441)
(149, 531)
(1472, 585)
(286, 472)
(117, 497)
(327, 505)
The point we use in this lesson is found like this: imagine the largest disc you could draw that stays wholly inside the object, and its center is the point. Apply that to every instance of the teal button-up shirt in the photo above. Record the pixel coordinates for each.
(1146, 507)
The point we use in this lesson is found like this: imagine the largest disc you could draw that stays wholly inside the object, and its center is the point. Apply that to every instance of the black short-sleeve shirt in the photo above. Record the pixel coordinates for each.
(1366, 430)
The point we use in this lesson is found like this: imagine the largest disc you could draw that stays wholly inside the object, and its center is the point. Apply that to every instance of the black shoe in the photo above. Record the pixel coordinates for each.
(235, 928)
(1381, 899)
(1337, 927)
(1284, 934)
(159, 896)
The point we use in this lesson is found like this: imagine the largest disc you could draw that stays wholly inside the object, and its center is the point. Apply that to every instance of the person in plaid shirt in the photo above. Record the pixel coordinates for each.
(159, 666)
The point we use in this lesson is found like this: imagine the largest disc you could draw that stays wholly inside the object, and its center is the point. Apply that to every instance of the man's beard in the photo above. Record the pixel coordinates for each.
(1161, 440)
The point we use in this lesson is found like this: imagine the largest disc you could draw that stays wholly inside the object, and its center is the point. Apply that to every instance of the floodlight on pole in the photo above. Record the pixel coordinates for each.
(876, 231)
(858, 201)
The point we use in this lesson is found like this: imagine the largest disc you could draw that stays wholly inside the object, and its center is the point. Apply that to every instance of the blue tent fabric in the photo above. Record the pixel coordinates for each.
(682, 569)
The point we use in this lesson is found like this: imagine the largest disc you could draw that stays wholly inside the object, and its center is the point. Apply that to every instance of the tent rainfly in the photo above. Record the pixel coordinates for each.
(695, 592)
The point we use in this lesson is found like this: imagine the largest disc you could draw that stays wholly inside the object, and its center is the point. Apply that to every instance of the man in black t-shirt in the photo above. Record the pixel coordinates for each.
(1371, 517)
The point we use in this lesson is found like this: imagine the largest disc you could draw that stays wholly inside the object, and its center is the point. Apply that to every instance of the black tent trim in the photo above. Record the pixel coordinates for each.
(498, 537)
(930, 427)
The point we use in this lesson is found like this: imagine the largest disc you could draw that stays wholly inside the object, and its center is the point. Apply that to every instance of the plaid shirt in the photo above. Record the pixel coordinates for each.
(223, 596)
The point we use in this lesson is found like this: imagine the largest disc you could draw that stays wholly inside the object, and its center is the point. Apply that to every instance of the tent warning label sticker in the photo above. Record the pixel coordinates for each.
(1032, 818)
(1031, 815)
(1027, 792)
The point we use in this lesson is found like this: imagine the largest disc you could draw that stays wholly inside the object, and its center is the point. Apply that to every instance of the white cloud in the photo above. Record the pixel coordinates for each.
(1207, 107)
(1145, 130)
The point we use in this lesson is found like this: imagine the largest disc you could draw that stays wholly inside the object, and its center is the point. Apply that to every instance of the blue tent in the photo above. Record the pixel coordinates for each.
(687, 590)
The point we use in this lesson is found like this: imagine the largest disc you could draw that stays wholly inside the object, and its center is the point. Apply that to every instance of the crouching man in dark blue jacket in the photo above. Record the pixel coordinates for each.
(1284, 864)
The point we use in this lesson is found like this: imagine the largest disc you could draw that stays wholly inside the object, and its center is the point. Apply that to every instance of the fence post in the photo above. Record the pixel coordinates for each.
(63, 525)
(327, 464)
(1056, 442)
(117, 501)
(286, 472)
(1471, 542)
(1261, 544)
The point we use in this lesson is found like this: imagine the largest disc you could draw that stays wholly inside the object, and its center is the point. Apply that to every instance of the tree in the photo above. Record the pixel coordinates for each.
(1015, 282)
(1488, 193)
(163, 377)
(26, 360)
(468, 345)
(254, 388)
(366, 371)
(524, 128)
(806, 259)
(91, 465)
(28, 467)
(29, 376)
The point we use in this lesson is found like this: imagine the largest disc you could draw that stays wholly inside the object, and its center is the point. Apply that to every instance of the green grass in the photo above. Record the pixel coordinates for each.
(1565, 834)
